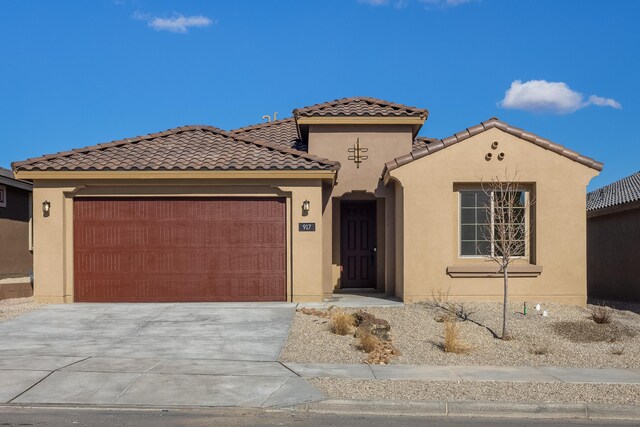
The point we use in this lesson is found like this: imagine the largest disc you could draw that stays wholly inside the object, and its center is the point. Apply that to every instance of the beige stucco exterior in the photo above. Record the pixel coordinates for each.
(53, 234)
(360, 182)
(417, 209)
(429, 215)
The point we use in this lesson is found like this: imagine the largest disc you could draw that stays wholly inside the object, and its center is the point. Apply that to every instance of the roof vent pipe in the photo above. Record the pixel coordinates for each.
(275, 117)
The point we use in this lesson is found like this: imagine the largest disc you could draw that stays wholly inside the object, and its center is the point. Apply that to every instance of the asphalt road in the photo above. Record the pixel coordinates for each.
(98, 417)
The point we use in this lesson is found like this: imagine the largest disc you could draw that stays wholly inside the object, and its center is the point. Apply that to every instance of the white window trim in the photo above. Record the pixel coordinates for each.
(527, 233)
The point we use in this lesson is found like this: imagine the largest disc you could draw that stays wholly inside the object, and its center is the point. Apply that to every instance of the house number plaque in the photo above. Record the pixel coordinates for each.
(307, 226)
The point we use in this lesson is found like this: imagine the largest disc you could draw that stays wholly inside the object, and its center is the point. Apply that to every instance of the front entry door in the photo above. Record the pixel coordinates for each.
(358, 244)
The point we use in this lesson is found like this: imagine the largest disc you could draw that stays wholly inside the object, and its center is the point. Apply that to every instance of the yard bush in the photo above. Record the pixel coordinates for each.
(342, 323)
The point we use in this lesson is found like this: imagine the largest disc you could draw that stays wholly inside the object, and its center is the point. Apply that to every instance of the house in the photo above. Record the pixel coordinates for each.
(16, 260)
(613, 241)
(342, 197)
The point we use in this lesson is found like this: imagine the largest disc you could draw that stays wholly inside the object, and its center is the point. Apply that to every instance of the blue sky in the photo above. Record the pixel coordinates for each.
(77, 73)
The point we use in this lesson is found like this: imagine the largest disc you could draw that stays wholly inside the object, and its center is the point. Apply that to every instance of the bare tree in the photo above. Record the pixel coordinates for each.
(507, 229)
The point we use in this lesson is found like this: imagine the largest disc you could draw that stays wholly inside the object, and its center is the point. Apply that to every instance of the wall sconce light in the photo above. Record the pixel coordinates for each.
(306, 205)
(46, 207)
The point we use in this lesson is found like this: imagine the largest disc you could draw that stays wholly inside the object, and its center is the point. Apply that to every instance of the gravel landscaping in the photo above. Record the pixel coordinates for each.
(566, 337)
(13, 307)
(478, 391)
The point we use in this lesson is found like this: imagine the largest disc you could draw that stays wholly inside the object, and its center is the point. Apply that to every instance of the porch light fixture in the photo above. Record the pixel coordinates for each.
(306, 205)
(46, 207)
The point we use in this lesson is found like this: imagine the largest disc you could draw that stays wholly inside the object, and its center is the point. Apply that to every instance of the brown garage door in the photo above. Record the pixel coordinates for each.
(179, 250)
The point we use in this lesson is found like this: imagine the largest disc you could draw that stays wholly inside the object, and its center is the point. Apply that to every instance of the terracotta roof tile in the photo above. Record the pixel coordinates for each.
(282, 132)
(425, 146)
(187, 147)
(360, 106)
(623, 191)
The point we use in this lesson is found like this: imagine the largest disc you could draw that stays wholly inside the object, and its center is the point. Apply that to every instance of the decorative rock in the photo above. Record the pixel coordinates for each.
(368, 323)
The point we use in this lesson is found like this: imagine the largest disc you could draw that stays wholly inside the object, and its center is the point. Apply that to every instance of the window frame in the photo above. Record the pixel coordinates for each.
(527, 224)
(3, 196)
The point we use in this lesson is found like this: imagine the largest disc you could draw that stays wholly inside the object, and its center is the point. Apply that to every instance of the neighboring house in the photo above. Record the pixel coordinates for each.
(613, 241)
(16, 261)
(343, 196)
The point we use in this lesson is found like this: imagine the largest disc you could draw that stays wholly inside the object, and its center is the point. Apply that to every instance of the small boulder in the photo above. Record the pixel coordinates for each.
(368, 323)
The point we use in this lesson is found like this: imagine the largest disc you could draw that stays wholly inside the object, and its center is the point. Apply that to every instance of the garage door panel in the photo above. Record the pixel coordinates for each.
(161, 250)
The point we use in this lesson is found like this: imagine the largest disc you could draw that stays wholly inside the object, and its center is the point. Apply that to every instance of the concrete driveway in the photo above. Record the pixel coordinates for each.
(150, 354)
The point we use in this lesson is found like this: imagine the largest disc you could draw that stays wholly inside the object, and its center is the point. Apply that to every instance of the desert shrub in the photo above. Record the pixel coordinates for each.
(342, 323)
(601, 314)
(463, 311)
(452, 341)
(368, 342)
(452, 309)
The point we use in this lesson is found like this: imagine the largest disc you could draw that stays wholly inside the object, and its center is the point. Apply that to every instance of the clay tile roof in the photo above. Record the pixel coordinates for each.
(283, 132)
(623, 191)
(424, 146)
(360, 106)
(182, 148)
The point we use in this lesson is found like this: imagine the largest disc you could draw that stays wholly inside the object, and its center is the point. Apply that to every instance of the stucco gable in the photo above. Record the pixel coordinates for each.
(434, 145)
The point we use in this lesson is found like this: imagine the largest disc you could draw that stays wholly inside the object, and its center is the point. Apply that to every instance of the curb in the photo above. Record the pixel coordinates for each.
(473, 409)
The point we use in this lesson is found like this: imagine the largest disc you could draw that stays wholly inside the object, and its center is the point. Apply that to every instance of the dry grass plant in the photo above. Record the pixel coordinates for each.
(342, 323)
(453, 343)
(601, 314)
(368, 342)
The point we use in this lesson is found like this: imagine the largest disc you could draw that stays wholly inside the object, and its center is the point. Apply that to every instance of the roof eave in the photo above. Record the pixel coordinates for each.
(620, 207)
(327, 174)
(17, 183)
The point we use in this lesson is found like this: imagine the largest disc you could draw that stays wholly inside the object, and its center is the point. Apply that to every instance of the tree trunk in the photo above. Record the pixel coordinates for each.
(505, 331)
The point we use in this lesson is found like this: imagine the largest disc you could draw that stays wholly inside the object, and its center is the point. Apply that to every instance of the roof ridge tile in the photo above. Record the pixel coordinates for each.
(321, 108)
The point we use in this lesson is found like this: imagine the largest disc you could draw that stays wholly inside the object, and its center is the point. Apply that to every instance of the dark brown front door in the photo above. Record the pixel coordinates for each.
(358, 244)
(179, 249)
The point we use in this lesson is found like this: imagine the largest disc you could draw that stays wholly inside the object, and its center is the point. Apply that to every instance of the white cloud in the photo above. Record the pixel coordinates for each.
(550, 97)
(176, 24)
(604, 102)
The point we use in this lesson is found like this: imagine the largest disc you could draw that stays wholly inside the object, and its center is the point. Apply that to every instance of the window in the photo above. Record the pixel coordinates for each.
(488, 220)
(3, 196)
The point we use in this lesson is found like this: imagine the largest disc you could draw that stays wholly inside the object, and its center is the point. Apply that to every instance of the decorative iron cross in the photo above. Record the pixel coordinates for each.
(357, 151)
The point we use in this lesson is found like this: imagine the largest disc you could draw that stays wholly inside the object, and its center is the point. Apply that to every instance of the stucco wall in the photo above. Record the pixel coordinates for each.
(430, 220)
(53, 234)
(16, 259)
(613, 248)
(383, 143)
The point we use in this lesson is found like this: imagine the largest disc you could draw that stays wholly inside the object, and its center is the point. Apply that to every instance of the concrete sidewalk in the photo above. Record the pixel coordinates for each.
(209, 382)
(150, 382)
(469, 373)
